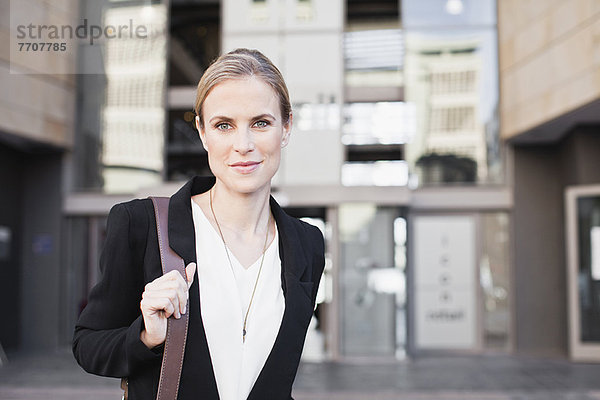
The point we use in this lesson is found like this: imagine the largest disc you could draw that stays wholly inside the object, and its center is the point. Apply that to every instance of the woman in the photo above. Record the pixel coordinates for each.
(253, 291)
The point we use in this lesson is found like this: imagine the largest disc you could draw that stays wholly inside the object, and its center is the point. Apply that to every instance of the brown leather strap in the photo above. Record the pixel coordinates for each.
(172, 361)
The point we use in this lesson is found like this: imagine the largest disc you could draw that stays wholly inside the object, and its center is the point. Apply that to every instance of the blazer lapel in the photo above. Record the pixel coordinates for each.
(279, 371)
(181, 223)
(292, 256)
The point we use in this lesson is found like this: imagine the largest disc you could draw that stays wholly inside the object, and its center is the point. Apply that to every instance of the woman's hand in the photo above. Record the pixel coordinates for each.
(163, 297)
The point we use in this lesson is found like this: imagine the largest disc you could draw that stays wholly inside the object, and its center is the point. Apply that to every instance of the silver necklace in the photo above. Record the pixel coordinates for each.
(231, 264)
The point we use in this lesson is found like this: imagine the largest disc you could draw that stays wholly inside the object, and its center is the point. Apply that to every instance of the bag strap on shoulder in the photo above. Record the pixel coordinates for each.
(172, 362)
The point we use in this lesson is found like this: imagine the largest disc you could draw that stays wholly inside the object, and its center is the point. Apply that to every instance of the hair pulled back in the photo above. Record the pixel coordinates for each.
(239, 64)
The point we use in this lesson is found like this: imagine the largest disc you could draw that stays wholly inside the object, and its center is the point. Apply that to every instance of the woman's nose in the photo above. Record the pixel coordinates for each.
(243, 142)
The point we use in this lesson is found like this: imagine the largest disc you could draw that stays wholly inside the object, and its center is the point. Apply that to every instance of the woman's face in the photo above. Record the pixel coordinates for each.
(243, 133)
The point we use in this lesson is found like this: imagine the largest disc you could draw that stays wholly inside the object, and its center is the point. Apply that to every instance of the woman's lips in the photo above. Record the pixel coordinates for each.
(245, 167)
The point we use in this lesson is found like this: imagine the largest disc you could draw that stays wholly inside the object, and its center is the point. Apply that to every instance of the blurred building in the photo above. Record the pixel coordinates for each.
(37, 130)
(549, 118)
(434, 143)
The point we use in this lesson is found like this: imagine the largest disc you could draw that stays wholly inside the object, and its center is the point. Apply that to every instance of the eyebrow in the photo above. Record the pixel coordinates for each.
(261, 116)
(220, 117)
(227, 119)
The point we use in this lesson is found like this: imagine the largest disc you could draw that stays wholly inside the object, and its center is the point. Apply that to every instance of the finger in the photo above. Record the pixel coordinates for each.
(190, 270)
(181, 291)
(154, 305)
(162, 280)
(169, 308)
(173, 286)
(166, 300)
(177, 282)
(173, 282)
(182, 294)
(171, 293)
(172, 275)
(176, 290)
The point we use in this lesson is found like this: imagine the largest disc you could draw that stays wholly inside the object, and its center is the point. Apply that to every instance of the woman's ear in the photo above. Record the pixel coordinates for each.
(287, 131)
(201, 132)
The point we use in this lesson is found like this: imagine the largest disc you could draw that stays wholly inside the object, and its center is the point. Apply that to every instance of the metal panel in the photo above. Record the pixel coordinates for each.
(445, 285)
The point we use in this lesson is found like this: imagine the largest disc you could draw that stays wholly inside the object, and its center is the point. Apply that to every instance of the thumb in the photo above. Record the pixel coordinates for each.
(190, 270)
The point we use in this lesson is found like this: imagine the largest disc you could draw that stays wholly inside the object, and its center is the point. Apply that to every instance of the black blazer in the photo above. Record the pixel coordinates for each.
(107, 335)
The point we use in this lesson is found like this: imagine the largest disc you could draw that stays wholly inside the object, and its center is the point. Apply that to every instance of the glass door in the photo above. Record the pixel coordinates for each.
(372, 281)
(583, 251)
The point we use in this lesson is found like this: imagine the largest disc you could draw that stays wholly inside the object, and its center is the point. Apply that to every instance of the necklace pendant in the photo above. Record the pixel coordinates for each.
(262, 259)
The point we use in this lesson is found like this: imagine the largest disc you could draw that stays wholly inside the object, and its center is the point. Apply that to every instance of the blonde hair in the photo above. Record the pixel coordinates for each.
(243, 63)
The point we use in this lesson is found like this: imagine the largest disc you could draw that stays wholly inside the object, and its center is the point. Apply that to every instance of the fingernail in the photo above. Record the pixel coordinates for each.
(184, 309)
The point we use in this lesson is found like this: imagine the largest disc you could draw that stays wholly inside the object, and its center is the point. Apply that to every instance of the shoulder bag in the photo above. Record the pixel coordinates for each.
(172, 362)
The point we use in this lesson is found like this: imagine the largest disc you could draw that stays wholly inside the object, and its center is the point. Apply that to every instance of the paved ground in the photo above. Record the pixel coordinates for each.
(56, 376)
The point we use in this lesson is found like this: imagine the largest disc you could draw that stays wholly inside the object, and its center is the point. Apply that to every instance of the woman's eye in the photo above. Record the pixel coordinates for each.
(261, 124)
(223, 126)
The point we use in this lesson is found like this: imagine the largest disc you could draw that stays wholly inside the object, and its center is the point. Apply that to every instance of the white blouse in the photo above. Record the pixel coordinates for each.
(225, 293)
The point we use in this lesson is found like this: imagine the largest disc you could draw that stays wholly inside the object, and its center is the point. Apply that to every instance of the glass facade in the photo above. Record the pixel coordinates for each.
(426, 79)
(451, 75)
(432, 14)
(121, 115)
(373, 57)
(382, 122)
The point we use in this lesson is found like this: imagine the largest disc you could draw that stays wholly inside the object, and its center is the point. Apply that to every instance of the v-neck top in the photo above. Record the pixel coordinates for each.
(225, 292)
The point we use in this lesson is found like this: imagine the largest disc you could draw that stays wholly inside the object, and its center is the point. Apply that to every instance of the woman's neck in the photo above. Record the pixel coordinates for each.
(248, 214)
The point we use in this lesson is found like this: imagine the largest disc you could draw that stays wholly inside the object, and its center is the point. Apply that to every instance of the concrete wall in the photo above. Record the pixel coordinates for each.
(539, 253)
(549, 60)
(30, 278)
(541, 175)
(41, 259)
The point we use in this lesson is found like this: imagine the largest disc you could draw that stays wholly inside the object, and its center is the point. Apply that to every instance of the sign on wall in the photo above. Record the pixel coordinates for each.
(445, 300)
(595, 252)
